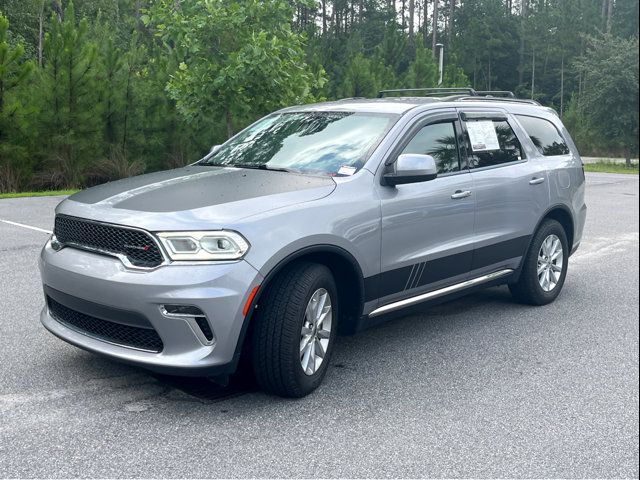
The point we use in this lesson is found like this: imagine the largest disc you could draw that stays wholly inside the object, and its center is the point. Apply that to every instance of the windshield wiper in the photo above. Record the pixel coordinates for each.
(263, 166)
(253, 166)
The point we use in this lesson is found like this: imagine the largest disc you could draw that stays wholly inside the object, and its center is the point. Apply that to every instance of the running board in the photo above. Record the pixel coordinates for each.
(390, 307)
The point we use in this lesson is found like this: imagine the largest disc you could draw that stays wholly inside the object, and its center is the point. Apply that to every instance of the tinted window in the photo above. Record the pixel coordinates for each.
(506, 150)
(439, 141)
(332, 143)
(544, 135)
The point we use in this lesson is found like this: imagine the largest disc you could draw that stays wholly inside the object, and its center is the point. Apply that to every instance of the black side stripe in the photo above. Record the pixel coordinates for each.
(424, 273)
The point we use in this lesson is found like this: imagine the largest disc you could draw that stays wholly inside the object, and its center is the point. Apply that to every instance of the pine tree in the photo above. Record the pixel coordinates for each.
(14, 72)
(69, 116)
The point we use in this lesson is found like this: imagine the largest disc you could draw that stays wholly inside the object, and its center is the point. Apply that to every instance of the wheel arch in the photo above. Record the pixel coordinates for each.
(564, 217)
(346, 272)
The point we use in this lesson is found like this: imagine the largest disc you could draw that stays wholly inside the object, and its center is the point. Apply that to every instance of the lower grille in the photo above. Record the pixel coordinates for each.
(124, 335)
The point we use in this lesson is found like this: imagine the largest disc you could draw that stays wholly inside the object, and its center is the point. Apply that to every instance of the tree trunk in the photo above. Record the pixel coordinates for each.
(609, 15)
(228, 119)
(434, 39)
(425, 25)
(40, 33)
(533, 73)
(452, 11)
(627, 156)
(403, 15)
(523, 17)
(412, 8)
(324, 17)
(562, 86)
(57, 7)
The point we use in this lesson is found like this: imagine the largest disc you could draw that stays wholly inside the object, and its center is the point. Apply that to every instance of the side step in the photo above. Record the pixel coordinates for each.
(390, 307)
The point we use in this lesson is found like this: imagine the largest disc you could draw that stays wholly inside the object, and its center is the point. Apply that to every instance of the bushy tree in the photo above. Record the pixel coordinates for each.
(610, 98)
(227, 70)
(423, 70)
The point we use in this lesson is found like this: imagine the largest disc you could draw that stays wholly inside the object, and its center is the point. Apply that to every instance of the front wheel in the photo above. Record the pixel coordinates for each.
(545, 266)
(295, 330)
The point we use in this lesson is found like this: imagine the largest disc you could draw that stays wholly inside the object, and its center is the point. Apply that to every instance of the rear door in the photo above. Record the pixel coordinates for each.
(427, 227)
(511, 189)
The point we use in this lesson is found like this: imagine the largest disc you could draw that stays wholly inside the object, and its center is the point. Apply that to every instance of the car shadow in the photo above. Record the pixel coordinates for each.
(452, 314)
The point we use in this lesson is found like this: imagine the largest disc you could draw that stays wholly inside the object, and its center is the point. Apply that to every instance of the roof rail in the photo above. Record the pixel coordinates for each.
(450, 91)
(495, 93)
(488, 98)
(429, 91)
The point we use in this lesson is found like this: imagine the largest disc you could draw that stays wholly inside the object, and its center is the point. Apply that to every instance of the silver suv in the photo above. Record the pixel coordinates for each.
(314, 219)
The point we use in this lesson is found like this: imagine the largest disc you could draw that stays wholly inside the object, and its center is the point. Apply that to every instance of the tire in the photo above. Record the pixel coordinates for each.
(277, 336)
(532, 289)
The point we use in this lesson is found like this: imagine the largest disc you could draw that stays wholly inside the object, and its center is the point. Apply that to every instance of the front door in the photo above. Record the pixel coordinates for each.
(427, 227)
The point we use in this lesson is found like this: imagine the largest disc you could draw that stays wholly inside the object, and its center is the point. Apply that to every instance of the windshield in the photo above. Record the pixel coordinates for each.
(330, 143)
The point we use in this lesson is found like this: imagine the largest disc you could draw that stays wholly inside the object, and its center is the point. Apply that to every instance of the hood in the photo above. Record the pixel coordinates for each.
(209, 193)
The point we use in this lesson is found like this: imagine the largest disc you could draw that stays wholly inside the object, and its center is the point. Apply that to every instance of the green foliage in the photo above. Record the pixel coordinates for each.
(229, 71)
(68, 117)
(125, 86)
(610, 98)
(359, 78)
(422, 71)
(14, 137)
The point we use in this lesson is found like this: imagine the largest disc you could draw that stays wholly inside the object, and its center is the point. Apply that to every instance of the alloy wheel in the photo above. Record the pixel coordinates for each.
(316, 331)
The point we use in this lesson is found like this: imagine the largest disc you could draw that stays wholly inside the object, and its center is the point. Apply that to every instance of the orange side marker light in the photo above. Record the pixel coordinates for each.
(247, 305)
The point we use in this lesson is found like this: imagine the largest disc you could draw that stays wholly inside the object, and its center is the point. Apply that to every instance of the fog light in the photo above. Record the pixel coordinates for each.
(196, 318)
(55, 244)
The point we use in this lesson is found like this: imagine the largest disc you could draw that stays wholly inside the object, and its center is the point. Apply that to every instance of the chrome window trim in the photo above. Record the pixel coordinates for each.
(390, 307)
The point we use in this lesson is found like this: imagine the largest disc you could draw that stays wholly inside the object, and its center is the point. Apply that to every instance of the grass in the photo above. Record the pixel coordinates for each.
(610, 167)
(47, 193)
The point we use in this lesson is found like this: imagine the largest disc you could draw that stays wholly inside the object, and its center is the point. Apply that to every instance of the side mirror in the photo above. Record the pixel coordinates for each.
(412, 168)
(214, 149)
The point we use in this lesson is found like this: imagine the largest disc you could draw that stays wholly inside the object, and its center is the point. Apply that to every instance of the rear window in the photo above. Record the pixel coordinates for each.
(499, 145)
(544, 135)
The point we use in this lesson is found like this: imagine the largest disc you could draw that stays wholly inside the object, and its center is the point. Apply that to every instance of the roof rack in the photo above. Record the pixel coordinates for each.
(466, 93)
(495, 93)
(429, 91)
(489, 98)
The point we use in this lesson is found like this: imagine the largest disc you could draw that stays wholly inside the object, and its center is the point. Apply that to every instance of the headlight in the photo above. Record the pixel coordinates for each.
(213, 245)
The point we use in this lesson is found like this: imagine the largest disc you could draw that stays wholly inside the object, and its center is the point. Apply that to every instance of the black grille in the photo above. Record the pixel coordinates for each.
(136, 245)
(125, 335)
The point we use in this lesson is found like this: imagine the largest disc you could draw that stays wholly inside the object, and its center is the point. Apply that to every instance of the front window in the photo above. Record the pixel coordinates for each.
(326, 143)
(439, 141)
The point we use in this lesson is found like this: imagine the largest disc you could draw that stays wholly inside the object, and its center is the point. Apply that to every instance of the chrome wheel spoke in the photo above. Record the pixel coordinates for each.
(550, 263)
(306, 358)
(322, 334)
(316, 331)
(319, 348)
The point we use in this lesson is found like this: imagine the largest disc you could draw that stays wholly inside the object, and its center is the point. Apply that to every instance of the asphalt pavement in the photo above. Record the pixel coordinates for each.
(479, 387)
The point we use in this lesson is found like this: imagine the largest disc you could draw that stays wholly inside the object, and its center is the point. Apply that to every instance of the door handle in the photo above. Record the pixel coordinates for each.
(536, 181)
(461, 194)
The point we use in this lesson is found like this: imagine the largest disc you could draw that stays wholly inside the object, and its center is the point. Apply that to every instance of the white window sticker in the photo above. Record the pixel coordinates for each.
(346, 170)
(483, 136)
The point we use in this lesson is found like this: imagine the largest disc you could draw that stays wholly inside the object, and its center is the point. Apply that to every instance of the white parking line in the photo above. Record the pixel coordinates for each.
(26, 226)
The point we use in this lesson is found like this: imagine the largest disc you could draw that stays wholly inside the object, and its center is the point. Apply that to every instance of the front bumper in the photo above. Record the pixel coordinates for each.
(219, 289)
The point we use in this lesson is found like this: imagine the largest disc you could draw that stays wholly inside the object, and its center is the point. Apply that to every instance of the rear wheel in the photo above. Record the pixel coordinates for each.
(545, 266)
(295, 329)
